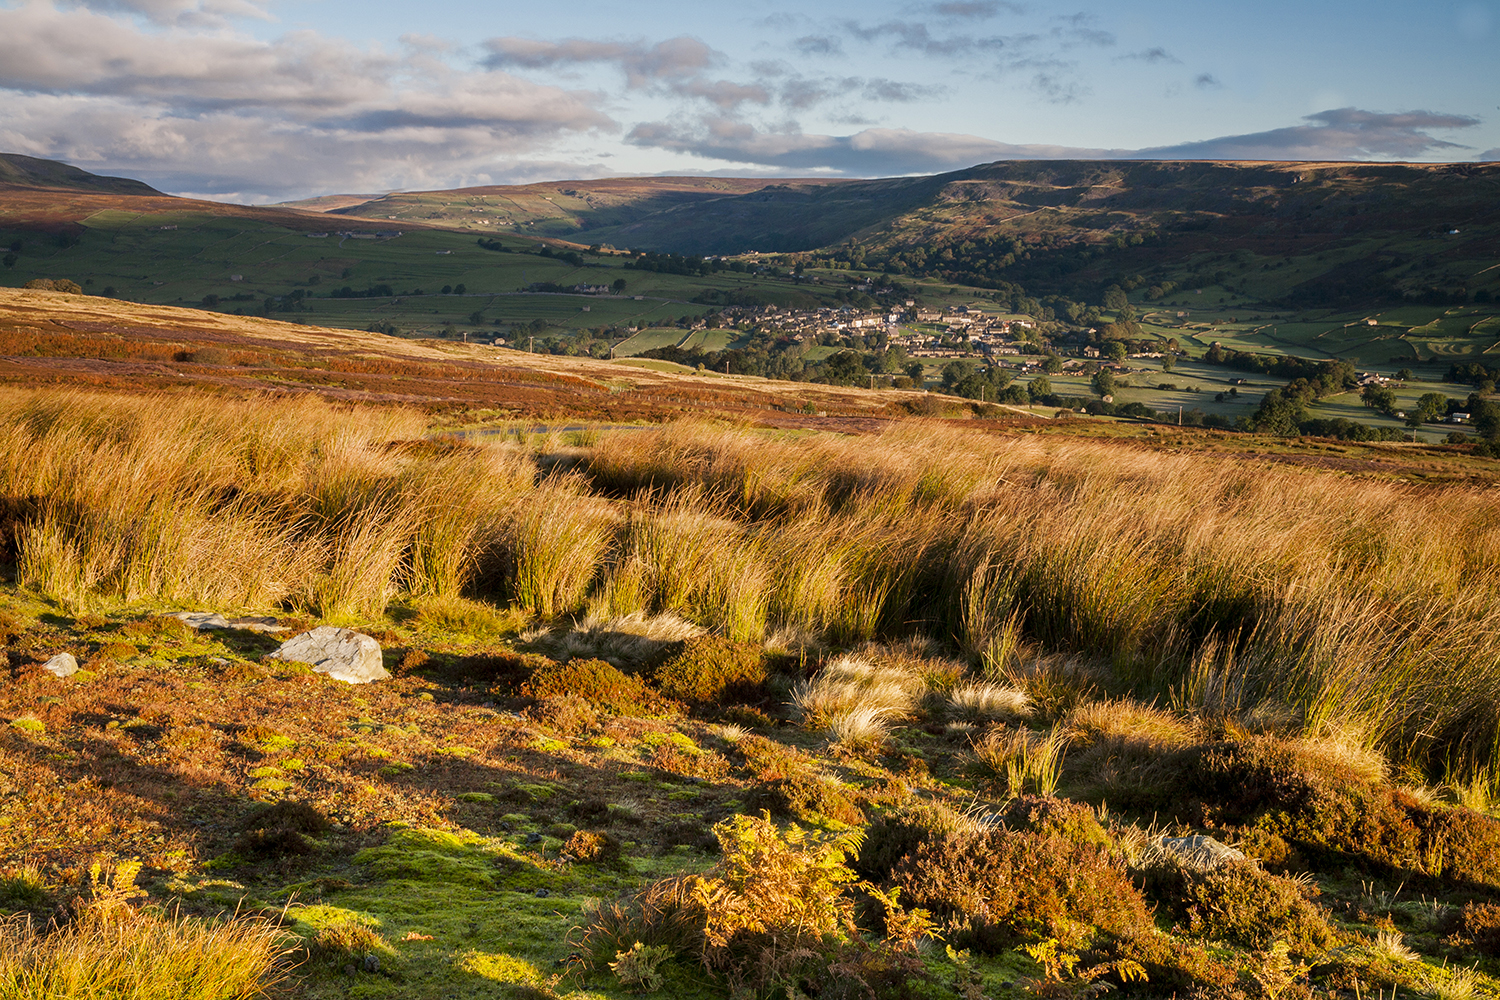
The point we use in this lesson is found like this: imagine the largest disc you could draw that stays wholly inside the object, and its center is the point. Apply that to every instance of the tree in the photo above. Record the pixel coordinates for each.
(1114, 350)
(1404, 375)
(1114, 298)
(917, 372)
(459, 289)
(1379, 397)
(1052, 364)
(10, 260)
(1169, 363)
(1431, 406)
(1039, 388)
(1104, 382)
(618, 286)
(476, 317)
(447, 289)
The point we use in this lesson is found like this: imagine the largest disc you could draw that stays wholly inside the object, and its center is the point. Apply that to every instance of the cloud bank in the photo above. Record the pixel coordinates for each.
(172, 92)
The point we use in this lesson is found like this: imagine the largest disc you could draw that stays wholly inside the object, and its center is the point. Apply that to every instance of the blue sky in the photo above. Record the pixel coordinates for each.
(260, 100)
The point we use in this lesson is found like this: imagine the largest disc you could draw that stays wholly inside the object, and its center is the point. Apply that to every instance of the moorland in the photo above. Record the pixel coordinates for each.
(707, 684)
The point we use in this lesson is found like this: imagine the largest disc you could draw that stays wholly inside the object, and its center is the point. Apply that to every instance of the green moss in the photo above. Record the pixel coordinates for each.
(28, 725)
(437, 856)
(477, 797)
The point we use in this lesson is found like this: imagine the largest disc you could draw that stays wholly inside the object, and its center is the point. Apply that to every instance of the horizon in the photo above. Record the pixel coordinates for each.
(260, 101)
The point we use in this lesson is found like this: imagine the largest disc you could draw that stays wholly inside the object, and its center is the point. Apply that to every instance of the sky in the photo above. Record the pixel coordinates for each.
(265, 100)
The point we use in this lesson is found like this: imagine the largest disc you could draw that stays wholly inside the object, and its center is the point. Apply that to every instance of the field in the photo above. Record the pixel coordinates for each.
(706, 709)
(157, 253)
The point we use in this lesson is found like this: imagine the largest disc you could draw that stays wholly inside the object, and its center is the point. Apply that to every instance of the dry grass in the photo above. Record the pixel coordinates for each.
(1019, 760)
(984, 701)
(852, 683)
(1270, 598)
(142, 955)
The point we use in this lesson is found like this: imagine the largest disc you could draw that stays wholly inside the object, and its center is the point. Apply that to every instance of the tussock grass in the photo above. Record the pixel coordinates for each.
(984, 701)
(853, 683)
(145, 954)
(1019, 760)
(1270, 598)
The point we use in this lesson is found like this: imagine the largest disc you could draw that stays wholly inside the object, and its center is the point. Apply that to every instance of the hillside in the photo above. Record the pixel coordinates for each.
(33, 172)
(89, 341)
(574, 210)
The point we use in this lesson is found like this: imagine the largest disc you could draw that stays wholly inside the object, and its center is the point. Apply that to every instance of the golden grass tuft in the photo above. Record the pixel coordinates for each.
(1018, 760)
(985, 701)
(146, 954)
(851, 683)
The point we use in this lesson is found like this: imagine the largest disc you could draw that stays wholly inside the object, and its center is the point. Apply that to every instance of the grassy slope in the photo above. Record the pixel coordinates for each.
(1269, 237)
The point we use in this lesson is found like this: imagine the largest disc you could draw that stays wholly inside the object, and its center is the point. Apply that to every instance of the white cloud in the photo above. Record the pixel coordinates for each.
(641, 63)
(1338, 134)
(220, 112)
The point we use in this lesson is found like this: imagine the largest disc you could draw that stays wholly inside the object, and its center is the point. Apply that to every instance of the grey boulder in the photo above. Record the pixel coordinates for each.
(341, 653)
(208, 621)
(61, 665)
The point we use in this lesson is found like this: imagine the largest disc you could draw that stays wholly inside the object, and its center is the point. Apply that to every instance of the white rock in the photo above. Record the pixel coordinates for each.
(61, 665)
(341, 653)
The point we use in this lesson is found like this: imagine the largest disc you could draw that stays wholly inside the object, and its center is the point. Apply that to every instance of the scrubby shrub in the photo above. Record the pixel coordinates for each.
(1185, 968)
(281, 829)
(995, 886)
(892, 837)
(807, 796)
(1479, 924)
(710, 671)
(567, 714)
(594, 846)
(1054, 817)
(598, 683)
(1317, 800)
(1238, 902)
(789, 783)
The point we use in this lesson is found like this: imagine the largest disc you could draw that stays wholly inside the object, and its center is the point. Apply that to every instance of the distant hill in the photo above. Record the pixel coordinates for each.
(29, 171)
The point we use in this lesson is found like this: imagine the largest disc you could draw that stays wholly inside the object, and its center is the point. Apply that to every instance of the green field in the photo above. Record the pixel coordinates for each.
(134, 257)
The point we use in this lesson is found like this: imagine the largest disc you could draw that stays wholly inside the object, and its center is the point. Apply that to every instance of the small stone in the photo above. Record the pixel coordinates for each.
(533, 838)
(542, 893)
(61, 665)
(341, 653)
(349, 969)
(371, 963)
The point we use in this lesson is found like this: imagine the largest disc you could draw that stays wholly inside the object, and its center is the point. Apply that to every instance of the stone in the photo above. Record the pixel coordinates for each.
(1200, 852)
(341, 653)
(371, 963)
(208, 621)
(262, 625)
(203, 621)
(61, 665)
